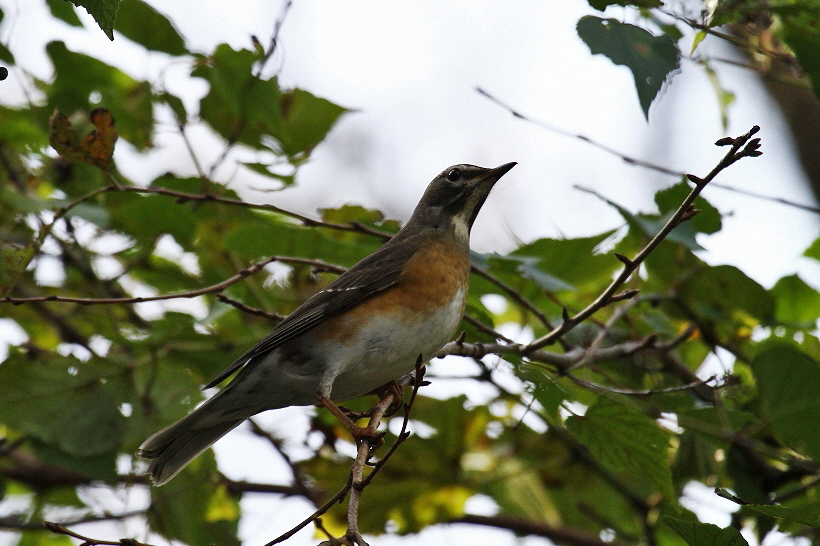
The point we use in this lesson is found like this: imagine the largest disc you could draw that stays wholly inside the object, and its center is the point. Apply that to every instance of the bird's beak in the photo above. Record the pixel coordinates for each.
(493, 175)
(498, 172)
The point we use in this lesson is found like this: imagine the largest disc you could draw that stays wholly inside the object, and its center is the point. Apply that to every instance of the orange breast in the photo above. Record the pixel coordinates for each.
(437, 274)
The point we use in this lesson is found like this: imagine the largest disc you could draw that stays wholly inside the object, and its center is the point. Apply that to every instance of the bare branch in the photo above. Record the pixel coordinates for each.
(214, 288)
(558, 535)
(232, 139)
(635, 161)
(561, 362)
(743, 146)
(644, 392)
(756, 195)
(58, 529)
(183, 197)
(365, 450)
(627, 159)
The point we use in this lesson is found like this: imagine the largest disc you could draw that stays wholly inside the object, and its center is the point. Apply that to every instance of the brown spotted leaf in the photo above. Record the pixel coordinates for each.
(98, 145)
(62, 138)
(96, 148)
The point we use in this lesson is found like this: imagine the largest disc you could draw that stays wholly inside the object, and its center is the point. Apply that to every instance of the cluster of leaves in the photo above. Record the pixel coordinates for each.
(786, 28)
(574, 451)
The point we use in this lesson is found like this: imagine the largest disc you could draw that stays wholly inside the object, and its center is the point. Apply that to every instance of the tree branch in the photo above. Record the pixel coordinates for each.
(214, 288)
(743, 146)
(634, 160)
(559, 535)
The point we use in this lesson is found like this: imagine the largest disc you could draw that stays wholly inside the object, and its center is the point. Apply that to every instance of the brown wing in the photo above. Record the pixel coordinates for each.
(373, 274)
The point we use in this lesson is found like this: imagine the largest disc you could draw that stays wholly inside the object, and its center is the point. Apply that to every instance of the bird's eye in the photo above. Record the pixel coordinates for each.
(454, 175)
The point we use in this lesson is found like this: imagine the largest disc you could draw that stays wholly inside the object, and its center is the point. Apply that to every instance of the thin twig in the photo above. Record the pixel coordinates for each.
(214, 288)
(557, 535)
(182, 197)
(356, 485)
(643, 392)
(300, 481)
(517, 297)
(275, 317)
(619, 313)
(337, 498)
(626, 158)
(218, 287)
(636, 161)
(58, 529)
(756, 195)
(743, 146)
(233, 137)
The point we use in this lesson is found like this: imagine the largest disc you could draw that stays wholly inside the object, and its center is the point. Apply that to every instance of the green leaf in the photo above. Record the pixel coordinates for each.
(70, 408)
(287, 180)
(802, 35)
(95, 467)
(650, 58)
(245, 108)
(699, 37)
(625, 441)
(191, 509)
(5, 56)
(39, 538)
(143, 24)
(814, 250)
(176, 105)
(725, 299)
(696, 533)
(650, 225)
(797, 303)
(788, 382)
(725, 98)
(255, 240)
(306, 120)
(806, 514)
(63, 10)
(78, 77)
(528, 267)
(601, 5)
(573, 262)
(669, 199)
(95, 214)
(148, 217)
(13, 261)
(64, 402)
(103, 11)
(239, 106)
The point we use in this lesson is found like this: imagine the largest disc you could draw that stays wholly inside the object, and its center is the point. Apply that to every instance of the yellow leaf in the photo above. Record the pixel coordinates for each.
(221, 506)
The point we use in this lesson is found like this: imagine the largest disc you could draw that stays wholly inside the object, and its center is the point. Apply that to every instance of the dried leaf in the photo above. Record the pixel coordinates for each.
(98, 145)
(96, 148)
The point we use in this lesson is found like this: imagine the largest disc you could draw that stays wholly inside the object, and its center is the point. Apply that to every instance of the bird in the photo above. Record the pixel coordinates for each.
(365, 329)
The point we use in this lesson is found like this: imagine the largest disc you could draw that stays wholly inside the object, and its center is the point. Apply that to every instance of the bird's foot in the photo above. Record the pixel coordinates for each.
(397, 391)
(369, 434)
(356, 415)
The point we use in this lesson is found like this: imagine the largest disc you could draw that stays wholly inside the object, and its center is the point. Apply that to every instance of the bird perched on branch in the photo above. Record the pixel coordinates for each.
(364, 330)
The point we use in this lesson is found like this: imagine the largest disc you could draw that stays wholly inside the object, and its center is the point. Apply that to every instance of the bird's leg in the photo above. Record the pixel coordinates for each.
(398, 396)
(358, 433)
(393, 388)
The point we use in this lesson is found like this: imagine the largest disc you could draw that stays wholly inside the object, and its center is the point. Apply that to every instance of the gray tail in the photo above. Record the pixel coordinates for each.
(173, 447)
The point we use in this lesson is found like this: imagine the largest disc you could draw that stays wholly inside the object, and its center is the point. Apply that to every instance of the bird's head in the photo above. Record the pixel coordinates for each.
(454, 197)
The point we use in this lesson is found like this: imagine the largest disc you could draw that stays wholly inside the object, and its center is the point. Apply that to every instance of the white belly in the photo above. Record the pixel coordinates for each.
(387, 348)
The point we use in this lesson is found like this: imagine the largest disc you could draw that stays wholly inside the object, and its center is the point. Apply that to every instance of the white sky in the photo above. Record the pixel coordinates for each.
(409, 68)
